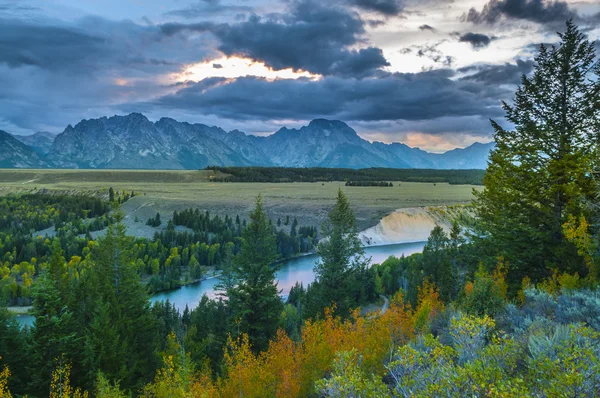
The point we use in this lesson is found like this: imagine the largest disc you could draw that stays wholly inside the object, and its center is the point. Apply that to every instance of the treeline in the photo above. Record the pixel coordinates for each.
(321, 174)
(25, 253)
(93, 319)
(170, 259)
(369, 184)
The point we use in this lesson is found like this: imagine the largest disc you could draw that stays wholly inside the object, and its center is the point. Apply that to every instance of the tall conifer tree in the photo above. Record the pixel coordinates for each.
(255, 302)
(541, 171)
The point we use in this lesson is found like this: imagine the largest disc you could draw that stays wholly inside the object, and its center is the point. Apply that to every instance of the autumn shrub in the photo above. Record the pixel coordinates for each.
(420, 365)
(486, 295)
(565, 362)
(349, 381)
(469, 335)
(429, 306)
(579, 306)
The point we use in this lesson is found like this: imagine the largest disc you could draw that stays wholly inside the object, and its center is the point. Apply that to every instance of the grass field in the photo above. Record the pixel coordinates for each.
(165, 191)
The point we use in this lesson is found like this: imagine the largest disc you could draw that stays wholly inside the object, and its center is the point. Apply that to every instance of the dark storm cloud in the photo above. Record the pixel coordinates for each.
(397, 96)
(311, 37)
(541, 11)
(47, 47)
(385, 7)
(476, 40)
(207, 8)
(426, 27)
(93, 45)
(498, 74)
(54, 73)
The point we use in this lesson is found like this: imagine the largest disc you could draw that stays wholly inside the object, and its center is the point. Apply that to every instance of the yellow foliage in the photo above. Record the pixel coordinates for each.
(429, 305)
(4, 375)
(557, 282)
(499, 276)
(525, 284)
(60, 385)
(291, 369)
(576, 230)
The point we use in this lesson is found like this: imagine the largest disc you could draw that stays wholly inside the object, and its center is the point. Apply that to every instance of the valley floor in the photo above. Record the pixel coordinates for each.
(166, 191)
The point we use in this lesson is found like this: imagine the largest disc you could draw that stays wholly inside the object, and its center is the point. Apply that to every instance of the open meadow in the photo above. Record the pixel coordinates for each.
(166, 191)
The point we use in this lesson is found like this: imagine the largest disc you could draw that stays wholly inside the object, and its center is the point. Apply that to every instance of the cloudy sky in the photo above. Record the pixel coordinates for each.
(429, 73)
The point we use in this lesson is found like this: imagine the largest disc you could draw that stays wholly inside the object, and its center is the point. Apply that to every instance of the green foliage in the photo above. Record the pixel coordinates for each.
(485, 295)
(254, 299)
(437, 264)
(348, 380)
(154, 222)
(541, 173)
(14, 351)
(342, 262)
(369, 184)
(318, 174)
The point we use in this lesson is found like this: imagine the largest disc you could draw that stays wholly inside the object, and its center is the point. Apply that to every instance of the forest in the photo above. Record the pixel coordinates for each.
(506, 304)
(321, 174)
(167, 261)
(369, 184)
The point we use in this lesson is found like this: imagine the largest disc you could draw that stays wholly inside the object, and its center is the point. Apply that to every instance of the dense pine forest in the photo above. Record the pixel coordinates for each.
(321, 174)
(506, 304)
(167, 261)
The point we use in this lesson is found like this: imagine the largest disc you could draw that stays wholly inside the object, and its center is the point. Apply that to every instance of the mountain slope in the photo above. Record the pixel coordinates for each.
(15, 154)
(134, 142)
(40, 142)
(323, 143)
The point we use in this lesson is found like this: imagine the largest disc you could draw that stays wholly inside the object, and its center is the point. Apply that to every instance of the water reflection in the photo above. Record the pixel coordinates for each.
(295, 270)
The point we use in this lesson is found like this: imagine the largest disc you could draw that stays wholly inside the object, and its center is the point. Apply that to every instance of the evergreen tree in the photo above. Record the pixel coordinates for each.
(456, 258)
(53, 335)
(255, 302)
(14, 351)
(342, 255)
(542, 172)
(121, 333)
(437, 265)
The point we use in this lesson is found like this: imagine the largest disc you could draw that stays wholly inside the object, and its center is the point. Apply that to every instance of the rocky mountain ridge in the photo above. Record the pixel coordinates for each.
(134, 142)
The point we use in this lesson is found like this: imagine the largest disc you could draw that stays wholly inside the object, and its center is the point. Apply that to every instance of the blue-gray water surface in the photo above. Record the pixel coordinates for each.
(299, 269)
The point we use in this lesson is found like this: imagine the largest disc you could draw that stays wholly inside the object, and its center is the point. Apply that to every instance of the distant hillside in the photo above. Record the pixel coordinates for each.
(15, 154)
(40, 142)
(134, 142)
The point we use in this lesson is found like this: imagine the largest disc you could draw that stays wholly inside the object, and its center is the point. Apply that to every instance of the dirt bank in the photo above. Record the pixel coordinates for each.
(410, 225)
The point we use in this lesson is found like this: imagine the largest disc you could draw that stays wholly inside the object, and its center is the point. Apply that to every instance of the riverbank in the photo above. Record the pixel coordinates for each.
(25, 310)
(411, 224)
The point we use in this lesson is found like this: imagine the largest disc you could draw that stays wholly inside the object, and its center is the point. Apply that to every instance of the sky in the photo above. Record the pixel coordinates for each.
(428, 73)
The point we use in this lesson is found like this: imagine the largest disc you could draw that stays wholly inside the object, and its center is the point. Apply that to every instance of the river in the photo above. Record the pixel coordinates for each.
(299, 269)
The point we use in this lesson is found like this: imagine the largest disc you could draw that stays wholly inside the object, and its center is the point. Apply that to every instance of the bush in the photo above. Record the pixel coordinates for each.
(347, 380)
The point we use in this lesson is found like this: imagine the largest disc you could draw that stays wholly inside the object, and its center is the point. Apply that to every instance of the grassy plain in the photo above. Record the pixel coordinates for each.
(165, 191)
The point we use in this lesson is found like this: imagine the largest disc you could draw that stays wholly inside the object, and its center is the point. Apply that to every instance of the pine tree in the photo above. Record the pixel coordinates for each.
(437, 265)
(255, 302)
(542, 172)
(53, 335)
(342, 256)
(120, 338)
(13, 351)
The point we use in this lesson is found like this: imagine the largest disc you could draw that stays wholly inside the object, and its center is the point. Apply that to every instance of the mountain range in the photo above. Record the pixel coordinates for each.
(134, 142)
